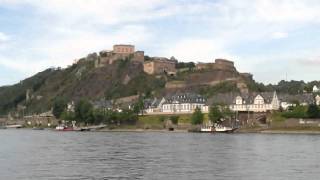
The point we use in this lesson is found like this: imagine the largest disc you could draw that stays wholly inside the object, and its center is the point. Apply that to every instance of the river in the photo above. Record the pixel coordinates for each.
(31, 154)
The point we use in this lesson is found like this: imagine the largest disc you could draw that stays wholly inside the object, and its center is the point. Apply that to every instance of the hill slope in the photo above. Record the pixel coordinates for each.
(125, 78)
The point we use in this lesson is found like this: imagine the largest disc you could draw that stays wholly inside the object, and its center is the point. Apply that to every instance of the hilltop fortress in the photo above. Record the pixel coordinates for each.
(154, 65)
(120, 51)
(159, 65)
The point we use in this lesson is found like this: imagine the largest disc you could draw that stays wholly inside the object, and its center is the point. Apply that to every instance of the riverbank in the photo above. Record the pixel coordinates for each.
(291, 130)
(144, 130)
(281, 130)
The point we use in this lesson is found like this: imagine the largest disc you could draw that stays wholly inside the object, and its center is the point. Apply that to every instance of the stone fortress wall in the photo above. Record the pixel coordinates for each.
(159, 66)
(219, 64)
(156, 65)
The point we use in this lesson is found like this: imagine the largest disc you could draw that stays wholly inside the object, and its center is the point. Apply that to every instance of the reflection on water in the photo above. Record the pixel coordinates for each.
(27, 154)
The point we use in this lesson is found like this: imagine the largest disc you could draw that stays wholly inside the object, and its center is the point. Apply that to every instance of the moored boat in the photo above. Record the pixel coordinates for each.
(217, 129)
(17, 126)
(207, 129)
(64, 128)
(224, 129)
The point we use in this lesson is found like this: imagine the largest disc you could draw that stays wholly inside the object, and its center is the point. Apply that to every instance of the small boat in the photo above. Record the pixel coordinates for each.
(207, 129)
(64, 128)
(224, 129)
(217, 129)
(17, 126)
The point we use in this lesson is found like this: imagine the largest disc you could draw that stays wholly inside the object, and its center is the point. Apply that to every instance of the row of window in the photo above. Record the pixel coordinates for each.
(181, 106)
(251, 106)
(124, 50)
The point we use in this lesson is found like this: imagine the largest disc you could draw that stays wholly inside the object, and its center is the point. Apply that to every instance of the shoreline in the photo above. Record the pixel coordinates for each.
(144, 130)
(289, 132)
(239, 131)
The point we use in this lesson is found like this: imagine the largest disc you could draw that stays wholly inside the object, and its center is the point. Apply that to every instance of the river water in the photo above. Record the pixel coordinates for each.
(31, 154)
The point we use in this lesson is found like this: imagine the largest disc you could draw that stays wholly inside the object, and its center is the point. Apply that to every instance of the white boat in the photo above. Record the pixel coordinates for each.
(223, 129)
(217, 128)
(14, 126)
(207, 129)
(64, 128)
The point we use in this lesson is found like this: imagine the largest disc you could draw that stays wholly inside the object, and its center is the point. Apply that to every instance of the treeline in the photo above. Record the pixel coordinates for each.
(85, 113)
(12, 96)
(288, 87)
(311, 111)
(217, 114)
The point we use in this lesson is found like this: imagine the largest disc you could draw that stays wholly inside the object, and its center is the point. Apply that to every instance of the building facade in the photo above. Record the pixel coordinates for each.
(178, 104)
(123, 49)
(317, 98)
(257, 103)
(315, 89)
(120, 51)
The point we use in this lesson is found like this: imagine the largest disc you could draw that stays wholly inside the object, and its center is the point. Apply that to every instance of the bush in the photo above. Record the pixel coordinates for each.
(70, 116)
(161, 118)
(174, 119)
(215, 114)
(313, 111)
(197, 116)
(297, 112)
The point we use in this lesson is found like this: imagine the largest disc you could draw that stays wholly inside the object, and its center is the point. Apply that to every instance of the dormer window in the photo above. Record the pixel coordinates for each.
(238, 100)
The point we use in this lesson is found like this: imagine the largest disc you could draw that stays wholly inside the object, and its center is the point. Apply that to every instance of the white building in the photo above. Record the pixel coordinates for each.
(317, 98)
(178, 104)
(315, 89)
(262, 102)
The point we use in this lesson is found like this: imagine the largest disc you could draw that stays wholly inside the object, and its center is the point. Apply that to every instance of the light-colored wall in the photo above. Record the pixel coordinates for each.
(159, 66)
(148, 67)
(183, 108)
(123, 49)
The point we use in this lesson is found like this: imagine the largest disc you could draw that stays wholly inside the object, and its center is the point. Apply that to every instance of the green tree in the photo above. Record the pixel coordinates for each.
(66, 115)
(127, 117)
(138, 107)
(296, 112)
(83, 111)
(174, 119)
(226, 112)
(98, 116)
(215, 114)
(197, 116)
(313, 111)
(59, 106)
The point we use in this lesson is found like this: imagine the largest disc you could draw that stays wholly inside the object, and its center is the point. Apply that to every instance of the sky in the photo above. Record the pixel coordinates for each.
(272, 39)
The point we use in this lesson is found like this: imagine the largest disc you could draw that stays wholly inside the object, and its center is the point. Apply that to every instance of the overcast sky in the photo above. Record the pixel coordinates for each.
(269, 38)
